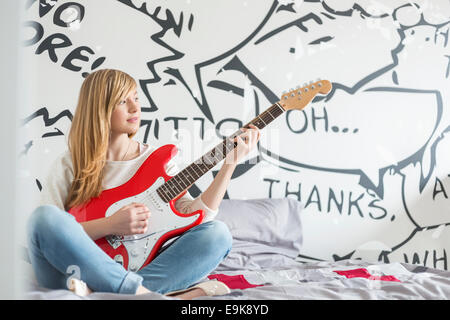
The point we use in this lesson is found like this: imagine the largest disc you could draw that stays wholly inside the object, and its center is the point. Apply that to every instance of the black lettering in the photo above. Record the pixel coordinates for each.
(202, 127)
(48, 45)
(331, 196)
(315, 118)
(44, 7)
(175, 123)
(297, 193)
(148, 124)
(416, 258)
(436, 260)
(75, 54)
(310, 200)
(57, 17)
(436, 191)
(354, 204)
(39, 33)
(288, 122)
(372, 205)
(405, 257)
(271, 183)
(156, 129)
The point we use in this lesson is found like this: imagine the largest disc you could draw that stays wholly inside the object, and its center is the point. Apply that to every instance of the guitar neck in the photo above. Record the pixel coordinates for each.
(186, 177)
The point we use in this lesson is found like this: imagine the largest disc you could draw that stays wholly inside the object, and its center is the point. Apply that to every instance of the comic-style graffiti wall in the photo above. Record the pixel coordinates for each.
(369, 161)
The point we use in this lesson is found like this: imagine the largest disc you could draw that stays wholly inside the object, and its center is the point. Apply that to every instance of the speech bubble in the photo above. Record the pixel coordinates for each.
(365, 131)
(428, 205)
(407, 12)
(364, 126)
(426, 247)
(194, 39)
(109, 35)
(350, 217)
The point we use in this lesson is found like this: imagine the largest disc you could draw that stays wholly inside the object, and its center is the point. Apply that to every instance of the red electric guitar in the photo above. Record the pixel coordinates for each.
(152, 186)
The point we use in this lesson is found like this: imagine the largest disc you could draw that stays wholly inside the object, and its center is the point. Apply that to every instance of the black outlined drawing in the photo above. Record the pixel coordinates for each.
(312, 27)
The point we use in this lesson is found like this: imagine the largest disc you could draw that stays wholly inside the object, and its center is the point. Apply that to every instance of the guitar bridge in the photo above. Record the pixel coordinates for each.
(114, 240)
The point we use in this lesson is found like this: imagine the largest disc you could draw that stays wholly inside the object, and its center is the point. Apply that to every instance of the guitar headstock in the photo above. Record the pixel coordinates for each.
(299, 97)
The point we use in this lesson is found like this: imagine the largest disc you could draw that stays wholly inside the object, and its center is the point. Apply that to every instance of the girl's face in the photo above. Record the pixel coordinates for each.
(126, 115)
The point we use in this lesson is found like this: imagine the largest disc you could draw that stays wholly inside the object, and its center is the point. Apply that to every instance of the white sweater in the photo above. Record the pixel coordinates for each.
(56, 187)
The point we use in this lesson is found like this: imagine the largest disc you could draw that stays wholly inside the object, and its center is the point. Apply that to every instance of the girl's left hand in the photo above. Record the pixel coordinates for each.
(246, 141)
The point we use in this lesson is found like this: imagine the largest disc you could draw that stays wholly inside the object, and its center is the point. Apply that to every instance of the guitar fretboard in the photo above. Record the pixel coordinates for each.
(186, 177)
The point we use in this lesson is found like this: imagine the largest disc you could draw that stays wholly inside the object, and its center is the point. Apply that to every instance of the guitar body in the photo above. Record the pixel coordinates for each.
(136, 251)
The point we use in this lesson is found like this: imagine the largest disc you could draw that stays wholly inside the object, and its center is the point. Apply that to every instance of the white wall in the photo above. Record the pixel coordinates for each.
(10, 90)
(370, 162)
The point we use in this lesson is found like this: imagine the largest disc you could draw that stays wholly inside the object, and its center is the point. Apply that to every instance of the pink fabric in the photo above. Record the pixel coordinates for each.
(234, 282)
(363, 273)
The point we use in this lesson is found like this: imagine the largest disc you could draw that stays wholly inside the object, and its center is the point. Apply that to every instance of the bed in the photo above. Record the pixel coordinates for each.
(264, 265)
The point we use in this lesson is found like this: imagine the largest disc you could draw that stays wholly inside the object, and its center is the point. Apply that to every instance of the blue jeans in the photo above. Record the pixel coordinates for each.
(60, 249)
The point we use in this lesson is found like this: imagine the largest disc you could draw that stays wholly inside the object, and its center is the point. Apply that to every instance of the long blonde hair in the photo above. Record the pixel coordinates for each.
(89, 134)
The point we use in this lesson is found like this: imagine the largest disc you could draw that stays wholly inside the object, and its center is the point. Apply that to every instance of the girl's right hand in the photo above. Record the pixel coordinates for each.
(130, 219)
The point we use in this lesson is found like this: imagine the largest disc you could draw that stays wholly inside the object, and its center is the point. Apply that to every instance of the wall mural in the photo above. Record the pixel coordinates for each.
(369, 161)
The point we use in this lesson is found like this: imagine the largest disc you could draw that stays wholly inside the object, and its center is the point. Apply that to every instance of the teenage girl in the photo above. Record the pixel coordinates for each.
(102, 155)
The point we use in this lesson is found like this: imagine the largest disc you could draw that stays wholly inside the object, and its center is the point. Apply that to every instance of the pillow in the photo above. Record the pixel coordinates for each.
(262, 227)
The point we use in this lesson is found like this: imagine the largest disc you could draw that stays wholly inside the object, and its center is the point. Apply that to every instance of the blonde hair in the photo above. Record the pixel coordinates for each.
(89, 134)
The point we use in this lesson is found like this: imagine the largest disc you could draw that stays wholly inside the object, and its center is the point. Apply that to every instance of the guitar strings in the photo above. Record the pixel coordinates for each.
(170, 188)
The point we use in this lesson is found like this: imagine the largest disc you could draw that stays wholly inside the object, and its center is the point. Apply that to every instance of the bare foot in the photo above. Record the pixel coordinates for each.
(188, 295)
(79, 287)
(142, 290)
(207, 288)
(191, 294)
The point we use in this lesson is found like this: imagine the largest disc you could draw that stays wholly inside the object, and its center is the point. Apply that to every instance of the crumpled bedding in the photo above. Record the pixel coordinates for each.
(263, 265)
(361, 281)
(307, 281)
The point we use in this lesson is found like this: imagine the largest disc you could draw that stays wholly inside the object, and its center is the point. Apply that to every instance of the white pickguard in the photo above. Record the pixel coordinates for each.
(161, 221)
